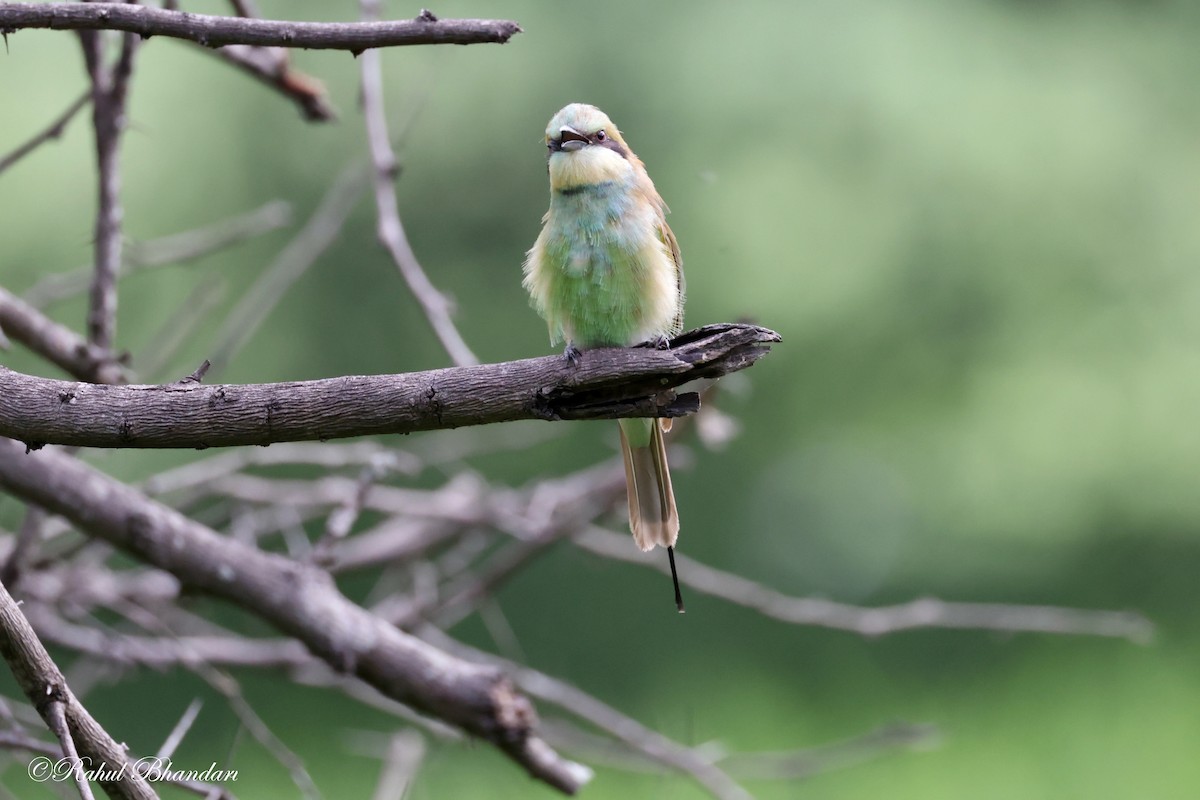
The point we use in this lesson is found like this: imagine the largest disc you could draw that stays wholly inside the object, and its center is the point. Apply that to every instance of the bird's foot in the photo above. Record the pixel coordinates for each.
(661, 342)
(572, 354)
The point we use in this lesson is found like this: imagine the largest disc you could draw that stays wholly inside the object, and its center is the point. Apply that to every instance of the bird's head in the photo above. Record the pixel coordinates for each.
(585, 147)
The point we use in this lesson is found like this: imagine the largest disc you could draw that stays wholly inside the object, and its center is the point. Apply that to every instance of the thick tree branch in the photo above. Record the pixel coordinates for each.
(299, 600)
(47, 690)
(606, 383)
(212, 31)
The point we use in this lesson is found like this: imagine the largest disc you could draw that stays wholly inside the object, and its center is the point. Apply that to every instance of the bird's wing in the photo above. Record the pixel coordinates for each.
(668, 238)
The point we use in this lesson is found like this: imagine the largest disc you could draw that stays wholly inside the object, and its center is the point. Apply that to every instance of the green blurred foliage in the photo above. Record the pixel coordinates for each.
(973, 223)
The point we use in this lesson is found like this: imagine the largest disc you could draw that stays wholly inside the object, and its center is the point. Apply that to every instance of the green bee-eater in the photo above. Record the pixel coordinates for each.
(606, 271)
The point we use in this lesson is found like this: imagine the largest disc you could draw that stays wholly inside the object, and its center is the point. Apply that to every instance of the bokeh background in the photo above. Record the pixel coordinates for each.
(974, 223)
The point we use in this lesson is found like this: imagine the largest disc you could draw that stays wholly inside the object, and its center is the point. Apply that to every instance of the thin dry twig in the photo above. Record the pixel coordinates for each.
(110, 88)
(321, 230)
(178, 248)
(53, 131)
(652, 744)
(220, 649)
(549, 512)
(175, 737)
(180, 327)
(19, 740)
(58, 344)
(926, 612)
(229, 688)
(342, 518)
(406, 750)
(808, 761)
(56, 720)
(331, 455)
(436, 307)
(27, 538)
(43, 684)
(211, 31)
(272, 67)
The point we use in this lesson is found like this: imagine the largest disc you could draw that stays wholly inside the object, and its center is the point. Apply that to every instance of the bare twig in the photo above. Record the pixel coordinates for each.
(300, 601)
(110, 85)
(177, 248)
(47, 690)
(435, 305)
(229, 688)
(406, 749)
(604, 384)
(179, 328)
(221, 649)
(56, 720)
(159, 651)
(650, 743)
(53, 131)
(927, 612)
(338, 525)
(57, 343)
(333, 456)
(213, 31)
(180, 730)
(552, 510)
(808, 761)
(27, 538)
(301, 252)
(18, 740)
(272, 66)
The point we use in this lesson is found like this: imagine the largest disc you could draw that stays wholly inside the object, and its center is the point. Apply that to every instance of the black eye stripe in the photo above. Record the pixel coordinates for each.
(615, 146)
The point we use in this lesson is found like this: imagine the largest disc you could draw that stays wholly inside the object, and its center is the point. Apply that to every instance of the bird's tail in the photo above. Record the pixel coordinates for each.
(652, 515)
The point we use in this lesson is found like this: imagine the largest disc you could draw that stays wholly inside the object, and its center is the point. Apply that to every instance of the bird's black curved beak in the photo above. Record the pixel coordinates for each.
(569, 139)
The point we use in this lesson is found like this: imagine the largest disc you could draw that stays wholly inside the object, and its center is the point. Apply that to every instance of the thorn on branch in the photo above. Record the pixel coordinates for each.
(195, 377)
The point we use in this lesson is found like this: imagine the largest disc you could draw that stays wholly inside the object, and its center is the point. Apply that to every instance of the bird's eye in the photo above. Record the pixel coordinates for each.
(601, 136)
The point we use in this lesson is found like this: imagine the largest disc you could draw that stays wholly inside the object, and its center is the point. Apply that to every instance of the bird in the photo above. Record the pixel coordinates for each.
(606, 271)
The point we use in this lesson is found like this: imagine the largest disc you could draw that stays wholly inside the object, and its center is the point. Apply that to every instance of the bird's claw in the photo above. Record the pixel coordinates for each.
(661, 342)
(572, 354)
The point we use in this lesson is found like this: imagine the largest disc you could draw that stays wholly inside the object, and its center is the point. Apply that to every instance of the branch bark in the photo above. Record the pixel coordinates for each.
(47, 690)
(110, 90)
(298, 599)
(388, 227)
(606, 383)
(215, 31)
